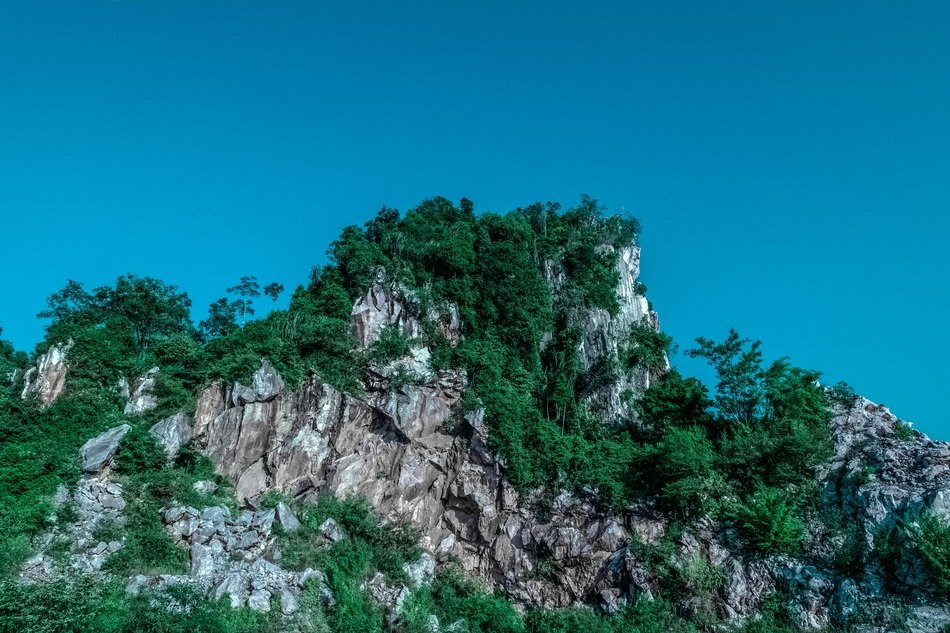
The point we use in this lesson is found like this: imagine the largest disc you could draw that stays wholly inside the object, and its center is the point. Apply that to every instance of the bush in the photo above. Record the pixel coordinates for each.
(645, 347)
(768, 518)
(88, 605)
(456, 598)
(391, 345)
(139, 452)
(930, 535)
(685, 465)
(904, 431)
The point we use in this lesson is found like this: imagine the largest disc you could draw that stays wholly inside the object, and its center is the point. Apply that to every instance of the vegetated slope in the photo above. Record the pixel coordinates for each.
(495, 389)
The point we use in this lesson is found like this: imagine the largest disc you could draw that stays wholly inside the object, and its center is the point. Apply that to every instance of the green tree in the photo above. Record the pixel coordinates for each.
(930, 536)
(134, 312)
(740, 395)
(674, 402)
(221, 321)
(245, 291)
(273, 290)
(10, 360)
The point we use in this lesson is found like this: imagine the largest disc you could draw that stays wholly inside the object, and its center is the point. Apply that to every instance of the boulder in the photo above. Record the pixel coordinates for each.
(172, 433)
(331, 531)
(205, 486)
(285, 516)
(266, 384)
(97, 453)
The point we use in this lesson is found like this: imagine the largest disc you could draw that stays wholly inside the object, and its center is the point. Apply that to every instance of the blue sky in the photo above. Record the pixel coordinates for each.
(789, 161)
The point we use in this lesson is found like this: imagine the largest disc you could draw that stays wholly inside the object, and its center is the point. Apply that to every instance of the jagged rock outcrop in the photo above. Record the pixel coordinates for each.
(142, 397)
(233, 556)
(882, 476)
(97, 452)
(172, 433)
(97, 503)
(606, 335)
(392, 447)
(48, 378)
(382, 308)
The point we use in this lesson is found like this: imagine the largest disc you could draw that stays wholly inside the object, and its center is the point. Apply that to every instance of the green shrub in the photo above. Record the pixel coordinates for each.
(930, 535)
(904, 431)
(768, 518)
(369, 546)
(91, 605)
(391, 345)
(842, 394)
(456, 598)
(139, 452)
(645, 347)
(685, 463)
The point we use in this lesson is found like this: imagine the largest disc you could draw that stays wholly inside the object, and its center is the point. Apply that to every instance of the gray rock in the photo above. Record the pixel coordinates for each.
(205, 486)
(285, 516)
(38, 568)
(263, 521)
(331, 530)
(172, 433)
(266, 384)
(421, 570)
(288, 602)
(202, 560)
(216, 514)
(136, 584)
(389, 596)
(259, 600)
(97, 453)
(234, 586)
(845, 602)
(142, 397)
(311, 574)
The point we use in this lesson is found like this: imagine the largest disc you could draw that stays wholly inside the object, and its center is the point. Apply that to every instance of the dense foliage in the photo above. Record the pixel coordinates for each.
(750, 457)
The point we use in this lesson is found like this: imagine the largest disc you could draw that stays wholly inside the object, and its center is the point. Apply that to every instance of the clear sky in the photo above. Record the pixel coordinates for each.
(789, 161)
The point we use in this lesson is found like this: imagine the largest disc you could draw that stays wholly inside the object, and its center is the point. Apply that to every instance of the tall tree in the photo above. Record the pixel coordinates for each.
(273, 290)
(740, 393)
(246, 291)
(221, 321)
(147, 308)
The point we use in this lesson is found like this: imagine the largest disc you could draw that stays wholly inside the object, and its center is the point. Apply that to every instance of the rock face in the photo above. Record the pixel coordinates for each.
(48, 379)
(98, 504)
(381, 308)
(232, 556)
(605, 335)
(391, 446)
(883, 474)
(97, 453)
(142, 398)
(172, 433)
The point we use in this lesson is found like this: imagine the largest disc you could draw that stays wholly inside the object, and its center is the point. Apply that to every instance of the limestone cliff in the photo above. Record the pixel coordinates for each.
(420, 458)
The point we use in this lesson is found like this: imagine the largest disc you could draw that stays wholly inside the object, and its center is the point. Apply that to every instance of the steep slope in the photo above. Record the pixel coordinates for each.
(540, 443)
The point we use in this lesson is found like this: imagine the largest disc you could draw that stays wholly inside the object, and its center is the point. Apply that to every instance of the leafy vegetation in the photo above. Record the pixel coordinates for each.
(751, 456)
(931, 538)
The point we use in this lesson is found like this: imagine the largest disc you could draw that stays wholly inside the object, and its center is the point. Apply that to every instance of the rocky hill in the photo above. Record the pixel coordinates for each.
(403, 499)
